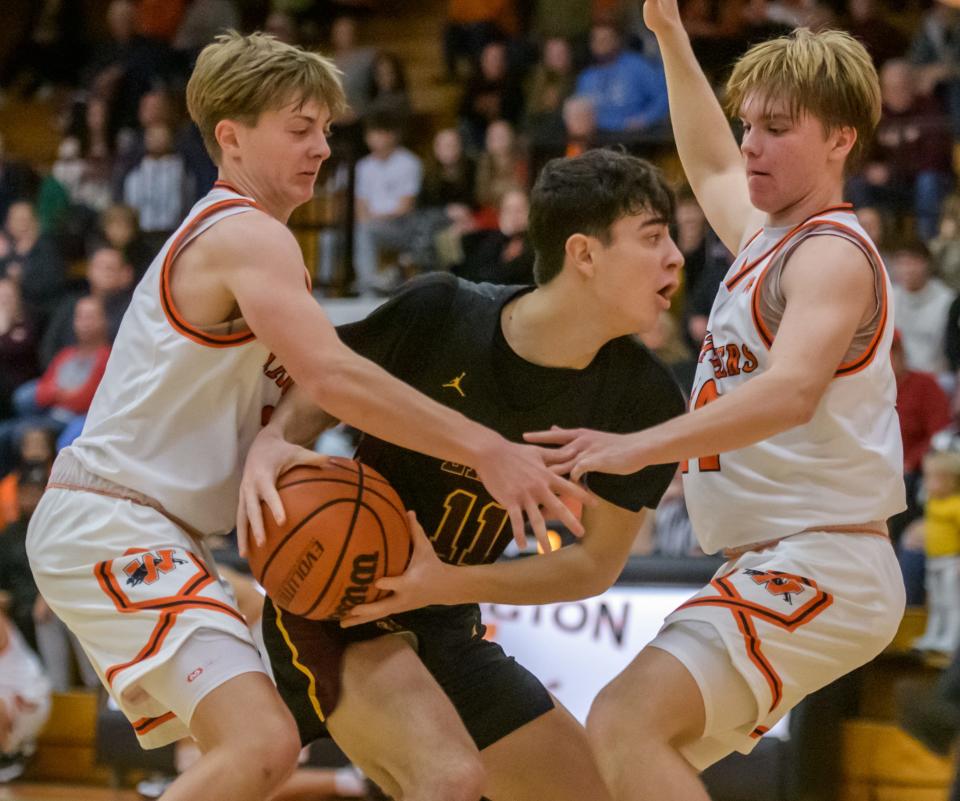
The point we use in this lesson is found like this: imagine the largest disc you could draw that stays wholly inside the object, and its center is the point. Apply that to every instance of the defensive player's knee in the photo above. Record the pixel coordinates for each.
(606, 727)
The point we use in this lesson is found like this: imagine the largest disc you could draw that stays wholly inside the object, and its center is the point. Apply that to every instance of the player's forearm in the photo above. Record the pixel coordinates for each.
(705, 144)
(297, 419)
(366, 396)
(759, 409)
(569, 574)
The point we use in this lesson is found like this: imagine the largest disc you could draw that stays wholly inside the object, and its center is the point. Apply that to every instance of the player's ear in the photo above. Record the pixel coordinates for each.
(845, 137)
(578, 252)
(227, 137)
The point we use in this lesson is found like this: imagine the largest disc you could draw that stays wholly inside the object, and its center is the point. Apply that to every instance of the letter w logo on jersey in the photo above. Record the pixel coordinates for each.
(147, 567)
(777, 583)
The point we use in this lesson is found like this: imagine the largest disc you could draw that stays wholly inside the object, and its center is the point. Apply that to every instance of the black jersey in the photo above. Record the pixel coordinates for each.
(443, 336)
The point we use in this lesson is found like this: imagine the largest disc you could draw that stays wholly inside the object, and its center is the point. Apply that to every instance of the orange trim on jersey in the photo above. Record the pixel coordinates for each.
(144, 725)
(747, 268)
(170, 607)
(862, 361)
(221, 184)
(745, 612)
(166, 295)
(758, 732)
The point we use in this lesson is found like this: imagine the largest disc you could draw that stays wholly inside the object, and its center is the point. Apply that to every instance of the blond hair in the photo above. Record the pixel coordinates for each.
(238, 77)
(828, 75)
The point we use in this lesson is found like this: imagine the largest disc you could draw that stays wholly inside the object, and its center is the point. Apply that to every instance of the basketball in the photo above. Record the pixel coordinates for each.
(346, 527)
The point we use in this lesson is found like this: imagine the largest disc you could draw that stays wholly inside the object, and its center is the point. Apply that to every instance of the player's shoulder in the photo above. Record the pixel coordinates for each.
(251, 234)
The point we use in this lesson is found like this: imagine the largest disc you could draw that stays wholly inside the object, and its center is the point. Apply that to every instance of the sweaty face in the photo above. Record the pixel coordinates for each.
(787, 160)
(637, 272)
(283, 151)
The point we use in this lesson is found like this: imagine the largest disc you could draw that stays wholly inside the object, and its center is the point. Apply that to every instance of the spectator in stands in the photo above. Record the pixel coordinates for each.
(119, 228)
(470, 26)
(31, 259)
(941, 544)
(503, 256)
(909, 168)
(155, 108)
(936, 51)
(126, 65)
(923, 409)
(876, 223)
(18, 344)
(446, 197)
(493, 93)
(579, 126)
(502, 166)
(109, 280)
(945, 246)
(867, 21)
(388, 182)
(549, 85)
(921, 305)
(18, 181)
(36, 450)
(667, 342)
(24, 701)
(388, 90)
(63, 393)
(356, 65)
(158, 187)
(628, 92)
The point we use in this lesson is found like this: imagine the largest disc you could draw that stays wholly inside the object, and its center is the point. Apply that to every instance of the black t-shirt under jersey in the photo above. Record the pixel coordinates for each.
(443, 336)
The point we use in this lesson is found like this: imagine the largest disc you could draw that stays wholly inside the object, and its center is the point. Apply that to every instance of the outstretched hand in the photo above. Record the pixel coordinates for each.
(427, 580)
(519, 480)
(578, 451)
(269, 456)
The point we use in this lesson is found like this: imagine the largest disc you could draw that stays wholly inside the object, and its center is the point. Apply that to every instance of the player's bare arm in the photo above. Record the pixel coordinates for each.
(255, 253)
(580, 570)
(829, 289)
(283, 443)
(707, 148)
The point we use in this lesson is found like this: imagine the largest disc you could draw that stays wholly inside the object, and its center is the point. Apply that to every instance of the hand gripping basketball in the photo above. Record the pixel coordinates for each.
(345, 528)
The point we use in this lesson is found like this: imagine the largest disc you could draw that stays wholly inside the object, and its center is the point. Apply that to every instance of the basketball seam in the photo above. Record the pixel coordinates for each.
(370, 490)
(346, 541)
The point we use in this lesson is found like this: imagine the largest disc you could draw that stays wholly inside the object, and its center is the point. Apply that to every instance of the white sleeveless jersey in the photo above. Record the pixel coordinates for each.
(178, 405)
(845, 466)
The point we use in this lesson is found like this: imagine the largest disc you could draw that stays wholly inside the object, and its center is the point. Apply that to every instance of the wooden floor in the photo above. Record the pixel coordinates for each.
(62, 792)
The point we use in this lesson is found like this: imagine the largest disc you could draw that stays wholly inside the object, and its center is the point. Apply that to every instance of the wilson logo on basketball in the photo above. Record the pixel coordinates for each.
(300, 571)
(777, 583)
(148, 567)
(361, 577)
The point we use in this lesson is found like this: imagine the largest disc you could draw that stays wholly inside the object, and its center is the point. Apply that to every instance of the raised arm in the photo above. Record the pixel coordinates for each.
(580, 570)
(261, 266)
(829, 290)
(706, 146)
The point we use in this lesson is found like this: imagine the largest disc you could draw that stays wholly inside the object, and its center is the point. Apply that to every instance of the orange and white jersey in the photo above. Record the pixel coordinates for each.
(843, 467)
(179, 405)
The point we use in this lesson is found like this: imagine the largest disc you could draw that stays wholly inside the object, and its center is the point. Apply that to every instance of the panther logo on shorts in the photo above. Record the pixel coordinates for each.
(149, 566)
(784, 585)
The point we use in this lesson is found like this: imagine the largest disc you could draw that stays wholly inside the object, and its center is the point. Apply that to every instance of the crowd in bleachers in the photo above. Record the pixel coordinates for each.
(440, 191)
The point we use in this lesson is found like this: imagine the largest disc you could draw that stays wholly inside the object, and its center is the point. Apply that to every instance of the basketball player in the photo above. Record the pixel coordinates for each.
(793, 445)
(511, 357)
(222, 324)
